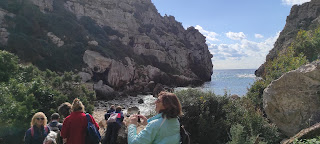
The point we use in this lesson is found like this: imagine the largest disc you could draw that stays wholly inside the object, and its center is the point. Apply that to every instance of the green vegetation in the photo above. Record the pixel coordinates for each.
(25, 90)
(219, 119)
(308, 141)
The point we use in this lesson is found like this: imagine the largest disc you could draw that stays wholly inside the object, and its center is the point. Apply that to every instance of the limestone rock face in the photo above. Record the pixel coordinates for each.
(305, 17)
(96, 62)
(119, 74)
(149, 34)
(44, 5)
(292, 102)
(56, 40)
(162, 50)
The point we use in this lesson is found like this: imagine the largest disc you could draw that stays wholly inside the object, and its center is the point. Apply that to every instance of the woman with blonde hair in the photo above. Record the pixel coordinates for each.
(75, 125)
(38, 131)
(163, 128)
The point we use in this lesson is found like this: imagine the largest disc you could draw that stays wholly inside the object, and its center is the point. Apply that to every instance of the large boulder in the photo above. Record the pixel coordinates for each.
(96, 62)
(104, 91)
(292, 102)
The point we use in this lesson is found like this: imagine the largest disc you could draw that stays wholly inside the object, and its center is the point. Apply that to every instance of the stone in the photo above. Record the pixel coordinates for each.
(140, 101)
(158, 88)
(103, 91)
(4, 35)
(292, 102)
(85, 76)
(119, 74)
(93, 43)
(96, 62)
(56, 40)
(44, 5)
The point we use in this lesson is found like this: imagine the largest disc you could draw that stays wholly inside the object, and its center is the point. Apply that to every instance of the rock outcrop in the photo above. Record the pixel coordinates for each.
(4, 34)
(127, 45)
(292, 102)
(302, 17)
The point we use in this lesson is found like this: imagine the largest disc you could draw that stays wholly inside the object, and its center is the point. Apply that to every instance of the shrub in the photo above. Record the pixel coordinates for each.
(210, 118)
(27, 90)
(308, 141)
(204, 116)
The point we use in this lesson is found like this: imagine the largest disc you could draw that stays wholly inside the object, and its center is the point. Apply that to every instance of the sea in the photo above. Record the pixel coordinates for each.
(232, 81)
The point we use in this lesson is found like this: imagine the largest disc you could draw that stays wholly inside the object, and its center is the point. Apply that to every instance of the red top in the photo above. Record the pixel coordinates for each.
(75, 126)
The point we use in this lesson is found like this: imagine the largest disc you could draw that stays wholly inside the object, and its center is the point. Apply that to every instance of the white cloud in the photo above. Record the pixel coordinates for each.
(258, 36)
(293, 2)
(236, 36)
(244, 54)
(241, 54)
(210, 36)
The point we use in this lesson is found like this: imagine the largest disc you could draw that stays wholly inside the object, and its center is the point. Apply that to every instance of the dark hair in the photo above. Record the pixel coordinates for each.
(171, 103)
(55, 116)
(65, 109)
(118, 109)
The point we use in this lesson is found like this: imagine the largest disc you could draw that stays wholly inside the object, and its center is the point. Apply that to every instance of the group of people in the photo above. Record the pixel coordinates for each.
(161, 128)
(72, 131)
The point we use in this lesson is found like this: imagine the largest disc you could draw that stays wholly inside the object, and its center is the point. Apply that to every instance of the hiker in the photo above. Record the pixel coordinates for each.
(64, 109)
(113, 127)
(74, 127)
(109, 112)
(163, 127)
(56, 126)
(38, 131)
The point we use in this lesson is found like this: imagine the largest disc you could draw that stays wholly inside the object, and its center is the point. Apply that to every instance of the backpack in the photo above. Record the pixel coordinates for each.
(45, 128)
(57, 130)
(113, 117)
(184, 135)
(92, 133)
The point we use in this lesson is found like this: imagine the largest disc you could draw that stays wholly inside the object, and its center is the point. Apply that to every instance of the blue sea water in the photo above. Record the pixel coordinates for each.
(232, 81)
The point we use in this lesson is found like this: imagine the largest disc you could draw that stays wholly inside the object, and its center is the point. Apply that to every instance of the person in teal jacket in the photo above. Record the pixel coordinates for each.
(163, 128)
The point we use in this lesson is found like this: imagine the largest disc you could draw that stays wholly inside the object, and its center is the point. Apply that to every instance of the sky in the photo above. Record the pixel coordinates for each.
(239, 33)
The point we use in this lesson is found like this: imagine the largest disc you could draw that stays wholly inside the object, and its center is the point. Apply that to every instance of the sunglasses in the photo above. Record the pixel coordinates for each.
(40, 118)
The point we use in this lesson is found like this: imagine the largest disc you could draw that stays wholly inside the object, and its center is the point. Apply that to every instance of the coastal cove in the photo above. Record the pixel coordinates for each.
(232, 81)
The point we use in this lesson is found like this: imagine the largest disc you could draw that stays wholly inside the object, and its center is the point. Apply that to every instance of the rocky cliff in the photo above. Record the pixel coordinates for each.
(124, 45)
(302, 17)
(292, 102)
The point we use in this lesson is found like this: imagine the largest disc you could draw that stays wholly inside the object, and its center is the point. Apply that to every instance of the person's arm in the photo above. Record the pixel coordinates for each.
(146, 136)
(27, 137)
(94, 122)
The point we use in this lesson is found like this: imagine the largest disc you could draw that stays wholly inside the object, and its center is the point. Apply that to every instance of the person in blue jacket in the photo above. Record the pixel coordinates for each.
(109, 112)
(163, 128)
(38, 131)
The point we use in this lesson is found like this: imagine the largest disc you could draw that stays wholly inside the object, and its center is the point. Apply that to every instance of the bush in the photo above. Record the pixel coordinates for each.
(243, 112)
(211, 119)
(308, 141)
(204, 116)
(26, 90)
